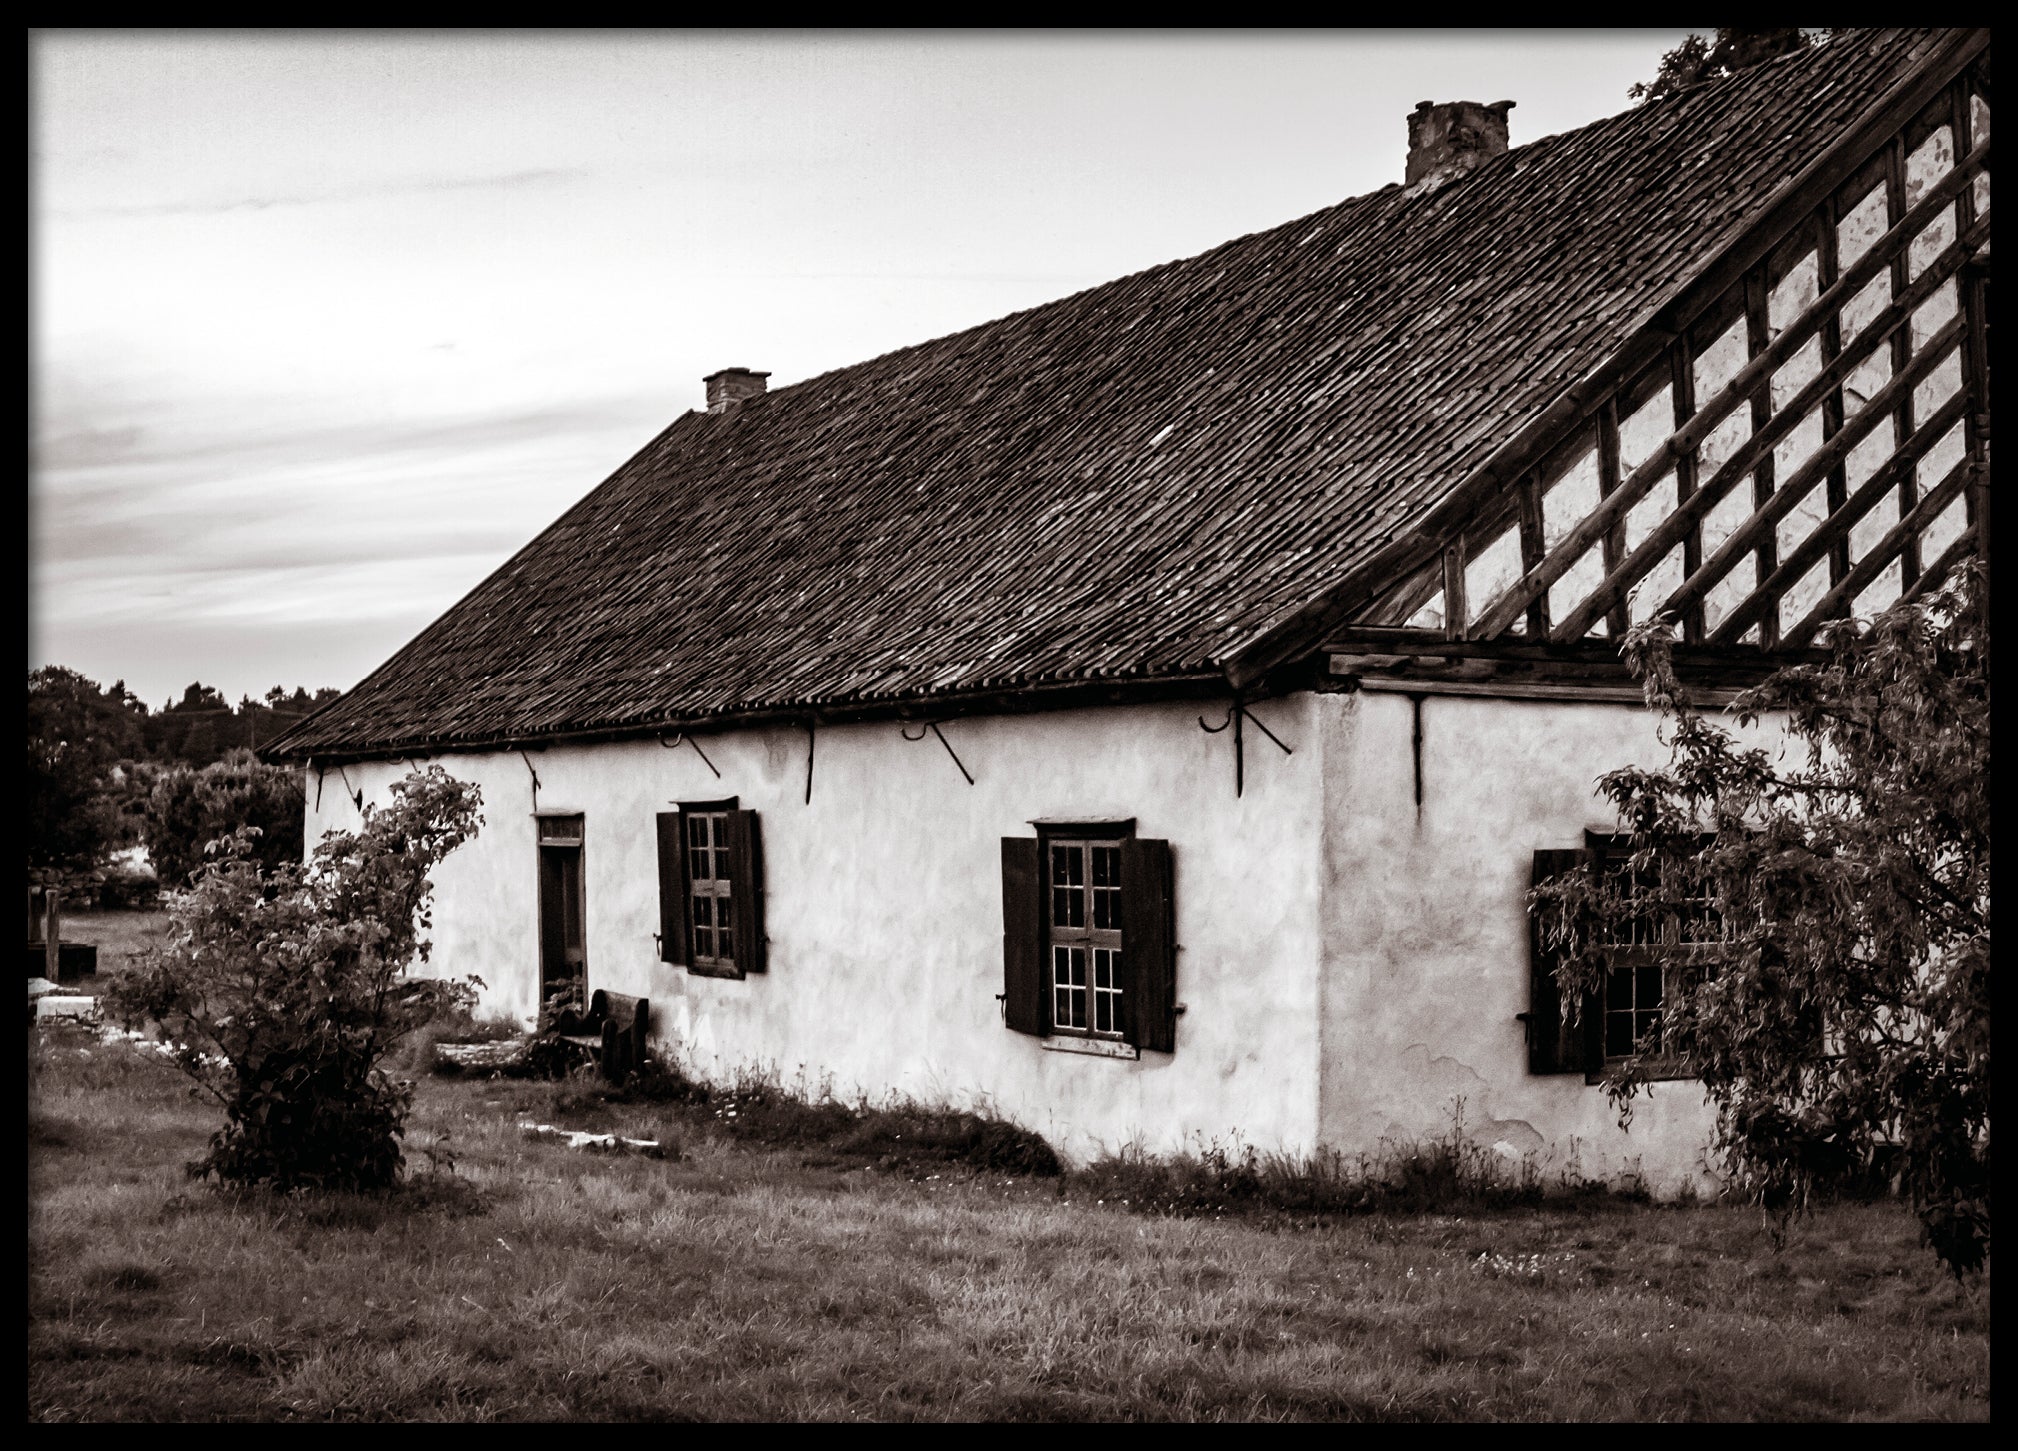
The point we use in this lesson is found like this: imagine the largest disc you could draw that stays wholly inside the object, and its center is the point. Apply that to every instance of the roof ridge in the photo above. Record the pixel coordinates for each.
(1749, 75)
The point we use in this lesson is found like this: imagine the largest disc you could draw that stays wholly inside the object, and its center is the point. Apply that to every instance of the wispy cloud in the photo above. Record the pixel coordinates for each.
(540, 176)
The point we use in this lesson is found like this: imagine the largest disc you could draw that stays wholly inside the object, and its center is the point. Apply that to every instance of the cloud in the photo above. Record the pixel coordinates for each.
(539, 176)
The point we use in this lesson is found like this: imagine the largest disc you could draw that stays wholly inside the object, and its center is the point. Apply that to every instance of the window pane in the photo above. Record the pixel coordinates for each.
(1103, 968)
(1107, 909)
(1103, 1012)
(1647, 1032)
(1078, 955)
(704, 911)
(725, 944)
(1063, 859)
(1647, 991)
(1106, 866)
(697, 831)
(1061, 965)
(704, 941)
(1618, 1034)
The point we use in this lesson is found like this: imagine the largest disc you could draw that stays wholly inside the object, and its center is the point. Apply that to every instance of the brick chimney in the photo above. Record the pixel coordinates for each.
(1446, 141)
(731, 386)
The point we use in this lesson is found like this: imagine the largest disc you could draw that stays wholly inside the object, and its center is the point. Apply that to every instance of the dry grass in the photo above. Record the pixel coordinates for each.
(518, 1280)
(119, 936)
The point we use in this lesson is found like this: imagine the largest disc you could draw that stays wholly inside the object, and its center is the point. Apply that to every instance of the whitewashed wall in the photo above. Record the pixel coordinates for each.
(884, 910)
(1425, 936)
(1351, 966)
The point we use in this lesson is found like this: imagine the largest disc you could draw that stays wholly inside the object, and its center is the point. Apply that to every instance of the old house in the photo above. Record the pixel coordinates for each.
(1145, 714)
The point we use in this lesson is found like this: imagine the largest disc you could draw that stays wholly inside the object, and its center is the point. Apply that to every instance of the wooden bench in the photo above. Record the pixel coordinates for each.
(612, 1030)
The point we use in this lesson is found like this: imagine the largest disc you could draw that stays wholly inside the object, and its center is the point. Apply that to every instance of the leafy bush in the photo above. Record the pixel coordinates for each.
(188, 808)
(283, 990)
(1840, 1014)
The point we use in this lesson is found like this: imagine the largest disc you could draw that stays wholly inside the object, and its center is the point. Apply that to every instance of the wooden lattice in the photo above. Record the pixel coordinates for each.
(1814, 444)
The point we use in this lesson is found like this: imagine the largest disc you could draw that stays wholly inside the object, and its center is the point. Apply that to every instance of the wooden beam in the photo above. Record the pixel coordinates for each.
(1651, 549)
(1902, 352)
(1754, 376)
(1608, 484)
(1959, 548)
(1827, 242)
(1975, 304)
(1532, 549)
(1828, 536)
(1455, 614)
(1690, 299)
(1632, 695)
(1837, 601)
(1758, 337)
(1683, 358)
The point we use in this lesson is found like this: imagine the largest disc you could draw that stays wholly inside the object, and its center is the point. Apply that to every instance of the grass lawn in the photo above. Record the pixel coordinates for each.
(118, 936)
(528, 1281)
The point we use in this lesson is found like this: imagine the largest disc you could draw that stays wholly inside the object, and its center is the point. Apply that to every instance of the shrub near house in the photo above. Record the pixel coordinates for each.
(188, 808)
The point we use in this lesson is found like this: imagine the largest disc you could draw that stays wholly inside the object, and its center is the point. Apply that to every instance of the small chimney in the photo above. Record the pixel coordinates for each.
(731, 386)
(1446, 141)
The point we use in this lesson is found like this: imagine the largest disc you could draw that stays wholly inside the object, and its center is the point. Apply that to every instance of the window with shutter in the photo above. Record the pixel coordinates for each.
(1652, 960)
(711, 889)
(1558, 1041)
(1087, 936)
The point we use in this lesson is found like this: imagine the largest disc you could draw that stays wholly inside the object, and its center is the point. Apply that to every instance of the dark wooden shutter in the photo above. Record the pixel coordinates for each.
(1023, 1004)
(746, 889)
(1555, 1044)
(673, 909)
(1148, 944)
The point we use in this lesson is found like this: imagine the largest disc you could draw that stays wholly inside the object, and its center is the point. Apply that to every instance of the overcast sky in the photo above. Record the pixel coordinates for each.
(325, 327)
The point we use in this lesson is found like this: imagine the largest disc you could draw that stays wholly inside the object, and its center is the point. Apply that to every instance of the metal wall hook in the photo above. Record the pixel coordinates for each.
(933, 727)
(810, 725)
(356, 796)
(536, 780)
(681, 738)
(1235, 715)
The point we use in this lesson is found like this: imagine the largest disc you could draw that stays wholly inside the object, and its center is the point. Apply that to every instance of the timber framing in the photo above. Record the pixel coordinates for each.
(1422, 661)
(1782, 285)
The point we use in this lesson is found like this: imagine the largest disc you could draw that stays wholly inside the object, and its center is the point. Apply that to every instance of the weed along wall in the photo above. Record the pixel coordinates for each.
(884, 917)
(1425, 930)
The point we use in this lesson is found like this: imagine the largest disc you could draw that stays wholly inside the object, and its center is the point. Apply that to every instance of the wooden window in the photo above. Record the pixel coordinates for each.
(711, 889)
(1088, 947)
(1653, 958)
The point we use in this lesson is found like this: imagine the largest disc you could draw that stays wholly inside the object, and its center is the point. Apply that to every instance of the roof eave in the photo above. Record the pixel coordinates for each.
(1019, 700)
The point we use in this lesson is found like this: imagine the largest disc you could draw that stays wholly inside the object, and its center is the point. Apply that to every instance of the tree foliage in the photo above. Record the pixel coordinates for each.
(77, 734)
(188, 807)
(1840, 1018)
(284, 989)
(1697, 60)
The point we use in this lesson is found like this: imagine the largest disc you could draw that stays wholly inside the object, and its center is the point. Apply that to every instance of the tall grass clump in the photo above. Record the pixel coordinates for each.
(1452, 1172)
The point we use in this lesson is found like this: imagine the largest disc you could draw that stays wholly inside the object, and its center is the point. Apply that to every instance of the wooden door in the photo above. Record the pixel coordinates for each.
(563, 942)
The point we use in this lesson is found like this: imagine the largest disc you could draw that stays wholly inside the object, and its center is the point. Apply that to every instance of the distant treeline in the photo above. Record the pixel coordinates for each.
(195, 730)
(106, 773)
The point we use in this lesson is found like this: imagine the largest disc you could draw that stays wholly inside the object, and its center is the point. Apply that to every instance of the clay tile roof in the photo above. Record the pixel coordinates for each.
(1127, 484)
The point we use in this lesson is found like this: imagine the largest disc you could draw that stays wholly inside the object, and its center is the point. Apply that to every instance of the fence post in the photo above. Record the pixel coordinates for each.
(52, 946)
